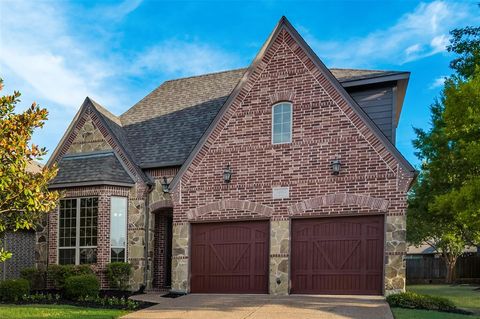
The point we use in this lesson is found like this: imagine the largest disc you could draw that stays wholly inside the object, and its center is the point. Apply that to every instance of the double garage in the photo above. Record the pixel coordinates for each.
(340, 255)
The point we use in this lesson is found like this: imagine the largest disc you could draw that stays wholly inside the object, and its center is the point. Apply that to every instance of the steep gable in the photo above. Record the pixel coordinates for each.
(300, 77)
(95, 130)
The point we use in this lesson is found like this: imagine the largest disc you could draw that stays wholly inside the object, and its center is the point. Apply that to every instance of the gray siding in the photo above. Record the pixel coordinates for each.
(22, 246)
(378, 103)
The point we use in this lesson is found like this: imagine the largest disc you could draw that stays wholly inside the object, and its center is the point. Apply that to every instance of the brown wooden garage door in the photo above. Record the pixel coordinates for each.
(342, 255)
(230, 257)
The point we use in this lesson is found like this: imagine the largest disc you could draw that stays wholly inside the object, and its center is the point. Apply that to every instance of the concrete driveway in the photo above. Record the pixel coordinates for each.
(214, 306)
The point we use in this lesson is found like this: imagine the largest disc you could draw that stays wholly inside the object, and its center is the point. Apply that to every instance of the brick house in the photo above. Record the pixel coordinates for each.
(279, 178)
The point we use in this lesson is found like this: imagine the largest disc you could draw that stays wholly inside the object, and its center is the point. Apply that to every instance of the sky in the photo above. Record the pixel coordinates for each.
(58, 52)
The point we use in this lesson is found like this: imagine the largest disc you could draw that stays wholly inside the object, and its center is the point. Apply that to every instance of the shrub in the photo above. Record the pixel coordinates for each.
(118, 274)
(413, 300)
(14, 289)
(81, 286)
(60, 273)
(35, 277)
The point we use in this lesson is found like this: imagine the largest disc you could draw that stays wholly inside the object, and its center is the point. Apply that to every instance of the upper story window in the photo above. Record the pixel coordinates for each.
(77, 231)
(282, 123)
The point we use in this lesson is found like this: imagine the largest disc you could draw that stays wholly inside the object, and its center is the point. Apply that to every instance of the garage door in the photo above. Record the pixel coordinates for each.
(342, 255)
(230, 257)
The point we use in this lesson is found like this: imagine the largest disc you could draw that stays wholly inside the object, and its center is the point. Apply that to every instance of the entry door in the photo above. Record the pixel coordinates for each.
(341, 255)
(230, 257)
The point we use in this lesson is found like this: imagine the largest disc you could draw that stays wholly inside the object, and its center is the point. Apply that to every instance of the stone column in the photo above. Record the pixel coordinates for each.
(279, 256)
(395, 250)
(181, 237)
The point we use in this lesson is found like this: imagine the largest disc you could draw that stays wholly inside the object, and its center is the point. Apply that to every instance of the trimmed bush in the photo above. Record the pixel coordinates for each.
(413, 300)
(35, 277)
(60, 273)
(77, 287)
(13, 290)
(118, 274)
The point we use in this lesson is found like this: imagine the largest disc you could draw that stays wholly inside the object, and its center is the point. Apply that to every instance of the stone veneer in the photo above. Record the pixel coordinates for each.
(279, 256)
(180, 241)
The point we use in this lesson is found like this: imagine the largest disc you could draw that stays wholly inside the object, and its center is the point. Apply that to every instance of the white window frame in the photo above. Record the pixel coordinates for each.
(77, 230)
(291, 121)
(126, 229)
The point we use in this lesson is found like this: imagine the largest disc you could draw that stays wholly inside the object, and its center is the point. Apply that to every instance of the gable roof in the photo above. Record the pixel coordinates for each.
(165, 127)
(318, 68)
(91, 169)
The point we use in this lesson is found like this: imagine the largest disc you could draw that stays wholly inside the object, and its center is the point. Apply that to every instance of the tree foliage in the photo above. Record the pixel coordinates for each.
(444, 204)
(24, 195)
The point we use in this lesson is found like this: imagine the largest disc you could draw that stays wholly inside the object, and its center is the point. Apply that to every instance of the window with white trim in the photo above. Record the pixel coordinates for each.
(118, 228)
(77, 231)
(282, 123)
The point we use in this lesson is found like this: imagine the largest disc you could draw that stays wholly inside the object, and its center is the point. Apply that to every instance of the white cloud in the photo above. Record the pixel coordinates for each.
(416, 35)
(184, 58)
(438, 82)
(39, 49)
(120, 10)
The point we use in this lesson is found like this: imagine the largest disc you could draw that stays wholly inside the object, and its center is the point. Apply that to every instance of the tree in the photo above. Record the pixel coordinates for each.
(24, 195)
(444, 204)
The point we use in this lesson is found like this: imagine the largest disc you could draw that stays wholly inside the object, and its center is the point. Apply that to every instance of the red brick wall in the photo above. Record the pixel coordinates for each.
(324, 128)
(103, 193)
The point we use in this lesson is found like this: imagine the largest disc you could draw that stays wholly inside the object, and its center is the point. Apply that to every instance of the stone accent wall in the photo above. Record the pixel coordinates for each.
(325, 127)
(279, 256)
(180, 242)
(88, 139)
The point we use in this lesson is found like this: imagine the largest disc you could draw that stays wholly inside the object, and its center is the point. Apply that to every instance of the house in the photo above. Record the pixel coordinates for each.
(20, 242)
(279, 178)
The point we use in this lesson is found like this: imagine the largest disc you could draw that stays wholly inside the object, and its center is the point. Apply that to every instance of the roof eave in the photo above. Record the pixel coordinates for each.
(90, 183)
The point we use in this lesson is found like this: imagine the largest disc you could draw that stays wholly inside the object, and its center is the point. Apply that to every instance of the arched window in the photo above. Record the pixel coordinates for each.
(282, 123)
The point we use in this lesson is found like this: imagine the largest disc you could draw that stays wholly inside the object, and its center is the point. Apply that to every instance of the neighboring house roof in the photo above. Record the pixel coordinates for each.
(426, 249)
(34, 167)
(85, 169)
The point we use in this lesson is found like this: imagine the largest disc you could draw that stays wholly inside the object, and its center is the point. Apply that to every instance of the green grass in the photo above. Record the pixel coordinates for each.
(463, 296)
(56, 311)
(400, 313)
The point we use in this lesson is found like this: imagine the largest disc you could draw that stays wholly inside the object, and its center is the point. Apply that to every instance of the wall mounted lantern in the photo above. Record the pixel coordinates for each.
(227, 174)
(165, 185)
(335, 165)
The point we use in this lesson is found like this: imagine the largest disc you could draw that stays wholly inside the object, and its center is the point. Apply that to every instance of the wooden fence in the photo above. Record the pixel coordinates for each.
(431, 269)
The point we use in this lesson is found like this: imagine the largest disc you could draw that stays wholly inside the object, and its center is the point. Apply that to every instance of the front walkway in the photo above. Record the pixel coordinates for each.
(214, 306)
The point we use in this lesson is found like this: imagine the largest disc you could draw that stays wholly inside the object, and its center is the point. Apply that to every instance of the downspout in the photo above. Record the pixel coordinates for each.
(151, 187)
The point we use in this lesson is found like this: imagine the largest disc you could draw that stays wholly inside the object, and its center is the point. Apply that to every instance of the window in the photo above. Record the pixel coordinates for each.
(77, 231)
(282, 123)
(118, 228)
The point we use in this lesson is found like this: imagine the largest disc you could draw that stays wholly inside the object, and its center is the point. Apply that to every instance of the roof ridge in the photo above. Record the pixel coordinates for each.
(106, 112)
(205, 74)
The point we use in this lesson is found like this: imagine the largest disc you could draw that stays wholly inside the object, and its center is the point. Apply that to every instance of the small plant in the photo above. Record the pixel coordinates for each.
(118, 274)
(36, 277)
(60, 273)
(41, 298)
(81, 286)
(14, 289)
(413, 300)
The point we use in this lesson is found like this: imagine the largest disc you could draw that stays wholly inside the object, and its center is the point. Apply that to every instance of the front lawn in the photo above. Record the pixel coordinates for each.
(401, 313)
(463, 296)
(57, 311)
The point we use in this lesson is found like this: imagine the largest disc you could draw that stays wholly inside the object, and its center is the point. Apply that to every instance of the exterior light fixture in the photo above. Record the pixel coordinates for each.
(335, 165)
(165, 185)
(227, 174)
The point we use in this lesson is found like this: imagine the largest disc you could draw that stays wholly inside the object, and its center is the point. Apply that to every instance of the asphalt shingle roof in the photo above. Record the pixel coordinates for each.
(91, 168)
(163, 128)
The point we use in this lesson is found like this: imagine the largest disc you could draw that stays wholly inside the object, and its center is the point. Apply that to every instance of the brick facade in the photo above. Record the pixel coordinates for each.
(371, 181)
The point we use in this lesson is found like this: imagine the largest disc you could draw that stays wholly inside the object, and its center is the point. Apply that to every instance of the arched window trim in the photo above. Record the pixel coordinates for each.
(291, 121)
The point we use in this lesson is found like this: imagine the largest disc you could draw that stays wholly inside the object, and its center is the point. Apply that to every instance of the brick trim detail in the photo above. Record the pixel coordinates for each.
(166, 203)
(286, 95)
(244, 205)
(338, 199)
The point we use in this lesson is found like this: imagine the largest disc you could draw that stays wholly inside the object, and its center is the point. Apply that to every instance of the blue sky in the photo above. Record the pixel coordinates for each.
(58, 52)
